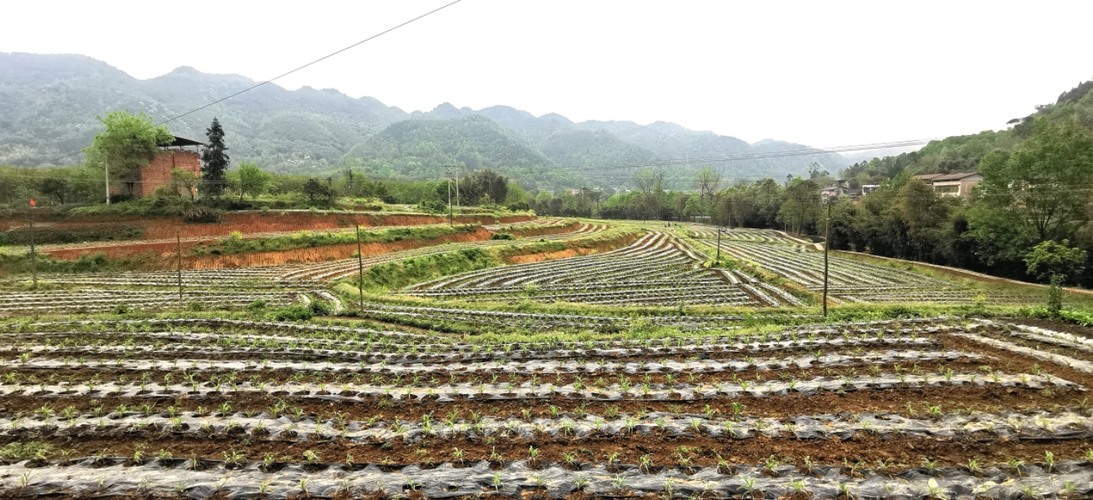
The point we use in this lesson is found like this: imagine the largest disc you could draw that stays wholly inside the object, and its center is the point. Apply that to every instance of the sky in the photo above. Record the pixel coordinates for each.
(823, 74)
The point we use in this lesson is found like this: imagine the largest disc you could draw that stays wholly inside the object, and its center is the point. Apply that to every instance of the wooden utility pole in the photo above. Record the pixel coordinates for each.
(719, 245)
(827, 245)
(360, 268)
(106, 167)
(33, 257)
(178, 247)
(451, 219)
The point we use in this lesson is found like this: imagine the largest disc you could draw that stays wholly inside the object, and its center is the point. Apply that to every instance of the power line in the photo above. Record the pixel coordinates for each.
(321, 59)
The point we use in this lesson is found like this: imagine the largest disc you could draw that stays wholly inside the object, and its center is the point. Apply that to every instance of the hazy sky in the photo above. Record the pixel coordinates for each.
(818, 73)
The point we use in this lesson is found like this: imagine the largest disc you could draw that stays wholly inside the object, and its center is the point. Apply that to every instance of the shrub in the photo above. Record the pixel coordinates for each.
(296, 312)
(432, 206)
(202, 215)
(320, 308)
(121, 308)
(502, 236)
(257, 305)
(196, 306)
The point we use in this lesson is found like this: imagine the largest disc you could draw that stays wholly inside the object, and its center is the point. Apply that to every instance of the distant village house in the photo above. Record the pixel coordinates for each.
(955, 184)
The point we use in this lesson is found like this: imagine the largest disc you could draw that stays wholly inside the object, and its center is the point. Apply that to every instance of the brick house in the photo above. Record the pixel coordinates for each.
(180, 153)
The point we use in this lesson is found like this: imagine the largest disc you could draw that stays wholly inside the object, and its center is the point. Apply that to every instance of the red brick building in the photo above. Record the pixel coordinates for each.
(181, 153)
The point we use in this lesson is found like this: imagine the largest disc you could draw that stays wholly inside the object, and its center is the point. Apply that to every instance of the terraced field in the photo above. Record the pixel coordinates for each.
(226, 409)
(658, 269)
(275, 285)
(849, 280)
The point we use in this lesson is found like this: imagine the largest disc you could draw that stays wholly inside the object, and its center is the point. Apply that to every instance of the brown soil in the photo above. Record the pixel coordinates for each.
(207, 375)
(899, 452)
(602, 246)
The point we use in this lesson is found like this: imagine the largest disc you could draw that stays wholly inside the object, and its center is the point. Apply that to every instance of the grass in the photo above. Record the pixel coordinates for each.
(236, 244)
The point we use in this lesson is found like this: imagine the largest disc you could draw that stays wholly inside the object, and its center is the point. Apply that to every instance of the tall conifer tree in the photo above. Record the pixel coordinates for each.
(214, 161)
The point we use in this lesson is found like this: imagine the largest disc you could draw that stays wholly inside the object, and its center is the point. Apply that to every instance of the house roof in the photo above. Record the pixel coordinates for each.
(180, 142)
(956, 176)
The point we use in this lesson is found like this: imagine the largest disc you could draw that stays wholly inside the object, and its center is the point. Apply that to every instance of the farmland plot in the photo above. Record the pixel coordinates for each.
(658, 269)
(913, 409)
(851, 280)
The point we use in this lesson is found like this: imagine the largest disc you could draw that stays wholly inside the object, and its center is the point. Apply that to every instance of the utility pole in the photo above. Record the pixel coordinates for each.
(719, 245)
(827, 245)
(360, 268)
(33, 257)
(106, 166)
(178, 243)
(451, 220)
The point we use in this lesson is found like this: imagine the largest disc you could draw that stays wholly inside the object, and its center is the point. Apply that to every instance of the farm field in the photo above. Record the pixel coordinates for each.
(204, 406)
(850, 281)
(658, 269)
(646, 370)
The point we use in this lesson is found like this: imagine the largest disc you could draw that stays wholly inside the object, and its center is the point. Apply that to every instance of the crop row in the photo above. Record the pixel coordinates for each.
(544, 368)
(528, 390)
(658, 269)
(53, 301)
(104, 476)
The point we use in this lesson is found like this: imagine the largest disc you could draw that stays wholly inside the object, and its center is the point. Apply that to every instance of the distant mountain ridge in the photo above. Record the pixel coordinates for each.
(49, 104)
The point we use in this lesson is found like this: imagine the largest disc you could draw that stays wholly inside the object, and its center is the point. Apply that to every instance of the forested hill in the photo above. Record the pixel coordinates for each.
(962, 153)
(49, 104)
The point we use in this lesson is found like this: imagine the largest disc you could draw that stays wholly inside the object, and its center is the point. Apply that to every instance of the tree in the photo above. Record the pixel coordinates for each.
(316, 190)
(215, 161)
(184, 180)
(802, 205)
(56, 188)
(707, 182)
(252, 179)
(1053, 263)
(128, 143)
(649, 180)
(1038, 185)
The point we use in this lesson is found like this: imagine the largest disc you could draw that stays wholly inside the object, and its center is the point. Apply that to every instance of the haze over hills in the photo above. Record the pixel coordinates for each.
(49, 104)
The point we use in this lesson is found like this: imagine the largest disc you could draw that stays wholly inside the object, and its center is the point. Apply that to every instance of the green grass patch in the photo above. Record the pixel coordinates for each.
(21, 450)
(306, 239)
(407, 272)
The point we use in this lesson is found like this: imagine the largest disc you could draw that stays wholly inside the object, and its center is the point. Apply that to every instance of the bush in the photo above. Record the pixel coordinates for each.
(121, 308)
(502, 236)
(196, 306)
(257, 305)
(518, 207)
(433, 206)
(321, 308)
(293, 313)
(202, 215)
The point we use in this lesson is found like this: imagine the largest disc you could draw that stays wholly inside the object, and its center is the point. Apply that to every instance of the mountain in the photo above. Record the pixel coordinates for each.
(420, 149)
(597, 143)
(962, 153)
(49, 104)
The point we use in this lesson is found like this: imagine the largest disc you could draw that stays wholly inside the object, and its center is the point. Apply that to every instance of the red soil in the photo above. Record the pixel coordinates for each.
(603, 246)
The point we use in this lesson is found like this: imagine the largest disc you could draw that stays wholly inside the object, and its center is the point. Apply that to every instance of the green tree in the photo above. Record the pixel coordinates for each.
(1039, 184)
(215, 161)
(801, 206)
(128, 143)
(1054, 263)
(707, 182)
(55, 188)
(252, 179)
(184, 180)
(317, 191)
